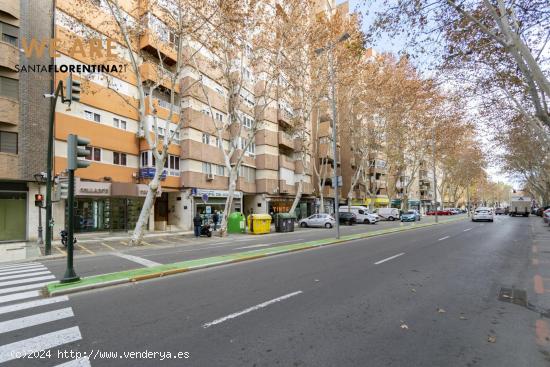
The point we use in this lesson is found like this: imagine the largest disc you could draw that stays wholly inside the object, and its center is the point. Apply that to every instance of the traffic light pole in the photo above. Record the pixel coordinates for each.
(49, 158)
(70, 275)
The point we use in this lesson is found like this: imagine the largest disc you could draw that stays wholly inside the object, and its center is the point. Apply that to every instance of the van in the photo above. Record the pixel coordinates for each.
(388, 213)
(362, 213)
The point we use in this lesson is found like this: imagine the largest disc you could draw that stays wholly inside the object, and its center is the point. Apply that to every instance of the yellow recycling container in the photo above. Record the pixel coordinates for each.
(259, 223)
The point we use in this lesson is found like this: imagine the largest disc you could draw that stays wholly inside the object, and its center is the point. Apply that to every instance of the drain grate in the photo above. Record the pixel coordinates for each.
(512, 295)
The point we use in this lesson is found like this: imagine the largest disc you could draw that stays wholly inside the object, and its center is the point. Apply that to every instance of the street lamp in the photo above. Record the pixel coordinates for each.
(40, 179)
(330, 48)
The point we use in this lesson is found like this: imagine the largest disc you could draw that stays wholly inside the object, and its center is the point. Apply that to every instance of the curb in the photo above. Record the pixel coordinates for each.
(35, 258)
(136, 275)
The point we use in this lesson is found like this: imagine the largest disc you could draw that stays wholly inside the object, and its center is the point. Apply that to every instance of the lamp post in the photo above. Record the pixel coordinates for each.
(332, 72)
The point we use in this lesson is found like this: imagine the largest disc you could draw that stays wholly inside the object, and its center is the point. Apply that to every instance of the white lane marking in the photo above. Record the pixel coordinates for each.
(18, 296)
(37, 319)
(18, 266)
(136, 259)
(81, 362)
(250, 309)
(38, 343)
(28, 280)
(270, 244)
(31, 304)
(23, 287)
(253, 246)
(443, 238)
(16, 276)
(29, 270)
(467, 229)
(389, 258)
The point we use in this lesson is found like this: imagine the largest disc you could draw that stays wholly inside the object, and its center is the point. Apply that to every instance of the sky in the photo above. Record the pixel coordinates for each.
(395, 45)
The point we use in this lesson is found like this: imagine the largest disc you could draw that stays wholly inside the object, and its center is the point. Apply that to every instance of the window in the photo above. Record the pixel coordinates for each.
(119, 158)
(144, 159)
(8, 142)
(95, 154)
(251, 149)
(9, 87)
(174, 39)
(173, 165)
(175, 134)
(220, 170)
(92, 116)
(219, 117)
(206, 167)
(10, 34)
(206, 138)
(248, 122)
(248, 173)
(119, 124)
(218, 143)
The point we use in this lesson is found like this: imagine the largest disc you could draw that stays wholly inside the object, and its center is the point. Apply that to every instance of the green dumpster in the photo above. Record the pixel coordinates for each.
(284, 222)
(236, 223)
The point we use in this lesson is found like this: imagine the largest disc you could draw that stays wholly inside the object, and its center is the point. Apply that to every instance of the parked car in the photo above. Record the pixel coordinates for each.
(410, 216)
(362, 213)
(483, 213)
(347, 218)
(439, 212)
(546, 216)
(318, 220)
(499, 211)
(388, 213)
(454, 211)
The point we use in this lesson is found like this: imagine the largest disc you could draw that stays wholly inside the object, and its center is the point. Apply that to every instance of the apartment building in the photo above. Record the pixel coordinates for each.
(110, 192)
(23, 119)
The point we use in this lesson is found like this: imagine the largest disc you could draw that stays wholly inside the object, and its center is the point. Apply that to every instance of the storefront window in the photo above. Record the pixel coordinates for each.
(12, 215)
(110, 214)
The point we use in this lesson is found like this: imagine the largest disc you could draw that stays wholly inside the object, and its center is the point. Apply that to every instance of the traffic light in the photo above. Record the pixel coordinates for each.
(38, 199)
(63, 187)
(77, 147)
(73, 89)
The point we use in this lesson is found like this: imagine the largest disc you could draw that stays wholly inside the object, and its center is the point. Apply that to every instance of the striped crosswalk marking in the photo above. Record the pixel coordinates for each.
(32, 304)
(22, 287)
(17, 276)
(9, 352)
(28, 280)
(22, 271)
(20, 294)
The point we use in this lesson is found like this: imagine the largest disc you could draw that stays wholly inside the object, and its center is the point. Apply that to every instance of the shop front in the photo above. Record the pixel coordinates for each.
(13, 211)
(105, 206)
(206, 202)
(413, 204)
(379, 202)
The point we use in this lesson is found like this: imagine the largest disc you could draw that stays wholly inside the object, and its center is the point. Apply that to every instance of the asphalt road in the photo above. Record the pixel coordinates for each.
(418, 298)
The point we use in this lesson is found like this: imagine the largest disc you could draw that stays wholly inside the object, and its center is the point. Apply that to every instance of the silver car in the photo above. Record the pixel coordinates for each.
(483, 214)
(318, 220)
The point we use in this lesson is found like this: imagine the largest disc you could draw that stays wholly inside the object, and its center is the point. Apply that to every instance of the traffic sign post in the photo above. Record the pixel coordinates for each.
(205, 198)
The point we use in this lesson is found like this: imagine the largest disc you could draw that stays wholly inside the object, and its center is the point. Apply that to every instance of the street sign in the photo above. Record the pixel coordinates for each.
(205, 197)
(208, 209)
(339, 182)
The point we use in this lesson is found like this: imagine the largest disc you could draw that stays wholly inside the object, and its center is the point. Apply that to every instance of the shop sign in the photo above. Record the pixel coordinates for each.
(149, 172)
(214, 193)
(208, 209)
(142, 190)
(85, 188)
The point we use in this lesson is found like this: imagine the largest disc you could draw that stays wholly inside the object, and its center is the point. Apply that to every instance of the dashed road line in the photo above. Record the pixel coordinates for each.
(443, 238)
(85, 249)
(250, 309)
(136, 259)
(467, 229)
(109, 247)
(389, 258)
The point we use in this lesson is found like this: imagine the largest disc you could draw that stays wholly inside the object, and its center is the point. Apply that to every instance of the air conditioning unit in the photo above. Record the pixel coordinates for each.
(209, 176)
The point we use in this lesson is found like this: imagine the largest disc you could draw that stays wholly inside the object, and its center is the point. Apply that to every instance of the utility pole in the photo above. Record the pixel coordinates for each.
(76, 147)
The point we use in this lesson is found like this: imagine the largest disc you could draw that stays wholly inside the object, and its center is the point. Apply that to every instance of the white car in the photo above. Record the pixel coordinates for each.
(483, 214)
(389, 213)
(361, 212)
(318, 220)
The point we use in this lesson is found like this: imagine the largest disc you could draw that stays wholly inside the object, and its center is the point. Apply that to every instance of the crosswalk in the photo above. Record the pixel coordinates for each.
(31, 324)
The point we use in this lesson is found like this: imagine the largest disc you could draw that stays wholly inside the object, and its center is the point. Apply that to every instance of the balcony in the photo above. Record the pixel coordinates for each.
(285, 140)
(9, 56)
(11, 7)
(151, 43)
(284, 117)
(326, 151)
(328, 191)
(9, 111)
(150, 72)
(325, 129)
(326, 170)
(286, 162)
(285, 188)
(300, 169)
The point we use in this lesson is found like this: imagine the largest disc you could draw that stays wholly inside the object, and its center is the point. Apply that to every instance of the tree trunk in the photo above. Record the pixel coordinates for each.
(152, 190)
(233, 176)
(298, 197)
(321, 203)
(405, 202)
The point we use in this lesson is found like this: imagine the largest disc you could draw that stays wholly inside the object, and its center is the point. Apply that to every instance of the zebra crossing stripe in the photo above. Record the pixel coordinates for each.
(31, 304)
(16, 276)
(23, 287)
(28, 280)
(15, 266)
(11, 351)
(26, 270)
(18, 296)
(36, 319)
(81, 362)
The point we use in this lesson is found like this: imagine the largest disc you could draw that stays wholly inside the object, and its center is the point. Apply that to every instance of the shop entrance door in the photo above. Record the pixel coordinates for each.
(13, 215)
(161, 208)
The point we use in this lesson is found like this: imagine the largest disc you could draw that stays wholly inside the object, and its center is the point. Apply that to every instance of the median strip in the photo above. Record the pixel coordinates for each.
(134, 275)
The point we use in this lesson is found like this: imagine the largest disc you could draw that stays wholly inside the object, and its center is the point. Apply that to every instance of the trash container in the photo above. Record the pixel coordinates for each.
(236, 223)
(284, 222)
(259, 223)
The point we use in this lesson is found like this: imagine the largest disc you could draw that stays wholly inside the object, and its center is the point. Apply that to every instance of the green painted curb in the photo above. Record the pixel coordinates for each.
(98, 281)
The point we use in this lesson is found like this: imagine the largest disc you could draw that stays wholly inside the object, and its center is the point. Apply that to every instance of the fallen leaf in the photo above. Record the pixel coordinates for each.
(492, 339)
(463, 318)
(316, 280)
(403, 325)
(440, 310)
(413, 290)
